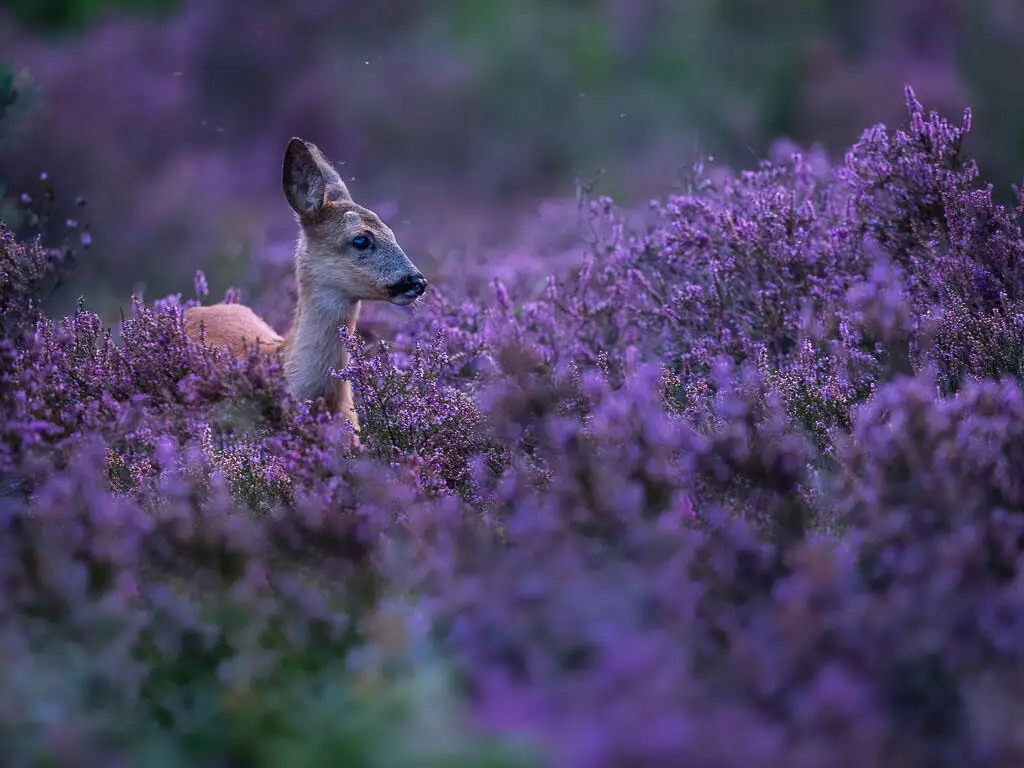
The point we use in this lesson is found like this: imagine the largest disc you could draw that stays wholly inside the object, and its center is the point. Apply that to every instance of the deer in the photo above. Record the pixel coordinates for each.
(345, 254)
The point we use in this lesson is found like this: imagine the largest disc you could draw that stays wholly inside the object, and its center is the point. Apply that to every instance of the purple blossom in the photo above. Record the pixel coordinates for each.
(202, 287)
(741, 486)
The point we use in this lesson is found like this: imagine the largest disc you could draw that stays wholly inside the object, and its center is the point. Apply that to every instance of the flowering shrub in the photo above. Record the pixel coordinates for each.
(744, 487)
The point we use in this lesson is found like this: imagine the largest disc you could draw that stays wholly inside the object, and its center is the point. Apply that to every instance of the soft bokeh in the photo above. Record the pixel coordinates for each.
(456, 118)
(731, 476)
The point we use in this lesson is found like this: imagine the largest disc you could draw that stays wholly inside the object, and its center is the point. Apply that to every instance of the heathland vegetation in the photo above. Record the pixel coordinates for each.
(734, 478)
(742, 487)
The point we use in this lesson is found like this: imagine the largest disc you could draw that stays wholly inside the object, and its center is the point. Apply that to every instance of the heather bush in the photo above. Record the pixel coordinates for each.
(740, 486)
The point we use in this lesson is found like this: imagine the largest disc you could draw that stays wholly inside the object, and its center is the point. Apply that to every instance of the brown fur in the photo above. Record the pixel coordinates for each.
(228, 324)
(333, 277)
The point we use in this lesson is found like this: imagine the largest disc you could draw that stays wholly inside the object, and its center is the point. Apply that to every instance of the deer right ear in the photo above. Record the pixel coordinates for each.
(303, 181)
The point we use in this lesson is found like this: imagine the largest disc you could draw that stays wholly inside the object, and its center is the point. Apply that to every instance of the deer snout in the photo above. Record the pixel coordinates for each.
(408, 289)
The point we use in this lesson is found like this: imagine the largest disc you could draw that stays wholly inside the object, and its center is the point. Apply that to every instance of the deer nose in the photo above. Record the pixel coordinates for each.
(410, 285)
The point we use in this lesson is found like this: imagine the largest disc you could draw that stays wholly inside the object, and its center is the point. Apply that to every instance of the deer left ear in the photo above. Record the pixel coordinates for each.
(303, 180)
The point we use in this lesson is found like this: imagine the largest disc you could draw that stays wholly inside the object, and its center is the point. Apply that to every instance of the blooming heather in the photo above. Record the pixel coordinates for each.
(743, 486)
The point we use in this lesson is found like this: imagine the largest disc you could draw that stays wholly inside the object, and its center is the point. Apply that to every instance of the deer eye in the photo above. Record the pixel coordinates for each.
(362, 242)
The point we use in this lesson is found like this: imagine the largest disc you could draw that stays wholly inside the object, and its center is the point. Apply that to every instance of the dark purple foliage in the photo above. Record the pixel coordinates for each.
(744, 487)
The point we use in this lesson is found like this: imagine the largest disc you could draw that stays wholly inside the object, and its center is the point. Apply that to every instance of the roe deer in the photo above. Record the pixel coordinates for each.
(345, 254)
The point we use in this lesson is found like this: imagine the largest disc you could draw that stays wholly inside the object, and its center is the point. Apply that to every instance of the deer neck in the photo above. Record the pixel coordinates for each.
(313, 346)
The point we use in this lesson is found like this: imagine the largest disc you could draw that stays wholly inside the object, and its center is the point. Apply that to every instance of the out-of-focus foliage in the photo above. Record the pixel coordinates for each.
(457, 116)
(740, 485)
(18, 96)
(76, 15)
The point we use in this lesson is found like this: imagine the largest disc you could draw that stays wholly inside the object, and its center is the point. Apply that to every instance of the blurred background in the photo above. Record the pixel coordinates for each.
(455, 119)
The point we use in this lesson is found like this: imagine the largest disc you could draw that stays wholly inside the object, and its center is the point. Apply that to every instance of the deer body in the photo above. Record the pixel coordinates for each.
(344, 255)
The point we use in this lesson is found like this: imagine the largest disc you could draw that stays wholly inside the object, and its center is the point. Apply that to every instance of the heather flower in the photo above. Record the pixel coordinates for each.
(202, 287)
(739, 483)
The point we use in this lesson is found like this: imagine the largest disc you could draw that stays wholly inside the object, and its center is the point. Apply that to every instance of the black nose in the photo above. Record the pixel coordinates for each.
(410, 284)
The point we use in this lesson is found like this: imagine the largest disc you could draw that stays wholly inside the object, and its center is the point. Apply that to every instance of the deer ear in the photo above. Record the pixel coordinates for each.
(309, 179)
(334, 187)
(303, 181)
